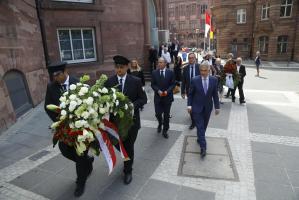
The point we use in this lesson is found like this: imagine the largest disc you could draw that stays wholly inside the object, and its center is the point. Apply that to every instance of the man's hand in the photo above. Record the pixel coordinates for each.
(165, 93)
(217, 112)
(189, 110)
(160, 93)
(183, 96)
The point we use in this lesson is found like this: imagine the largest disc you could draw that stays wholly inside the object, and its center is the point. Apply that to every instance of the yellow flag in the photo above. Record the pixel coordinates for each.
(211, 35)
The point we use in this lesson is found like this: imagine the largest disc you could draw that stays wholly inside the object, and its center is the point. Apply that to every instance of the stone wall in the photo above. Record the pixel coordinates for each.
(20, 50)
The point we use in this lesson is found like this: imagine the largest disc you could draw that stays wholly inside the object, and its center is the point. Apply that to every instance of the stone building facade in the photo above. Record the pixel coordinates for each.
(23, 75)
(84, 33)
(185, 17)
(244, 27)
(88, 34)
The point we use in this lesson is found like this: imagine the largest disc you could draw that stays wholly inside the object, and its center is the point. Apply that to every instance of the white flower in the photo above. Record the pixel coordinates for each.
(126, 107)
(84, 90)
(72, 125)
(73, 97)
(62, 99)
(63, 112)
(55, 124)
(89, 101)
(114, 96)
(102, 110)
(113, 90)
(85, 124)
(78, 124)
(91, 111)
(85, 115)
(116, 102)
(104, 90)
(66, 93)
(62, 105)
(95, 94)
(71, 116)
(73, 87)
(100, 90)
(72, 106)
(62, 117)
(79, 84)
(79, 101)
(81, 93)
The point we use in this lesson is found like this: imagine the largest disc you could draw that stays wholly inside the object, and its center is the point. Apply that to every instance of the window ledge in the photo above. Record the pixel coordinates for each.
(57, 5)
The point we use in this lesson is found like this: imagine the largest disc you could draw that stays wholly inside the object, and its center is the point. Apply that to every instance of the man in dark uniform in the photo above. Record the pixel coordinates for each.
(189, 72)
(131, 86)
(60, 82)
(163, 82)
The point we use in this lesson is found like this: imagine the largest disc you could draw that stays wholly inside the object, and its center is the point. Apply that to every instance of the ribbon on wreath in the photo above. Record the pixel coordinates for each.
(107, 146)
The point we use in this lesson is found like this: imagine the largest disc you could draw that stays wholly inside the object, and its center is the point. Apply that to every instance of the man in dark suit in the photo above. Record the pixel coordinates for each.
(175, 48)
(190, 71)
(131, 86)
(163, 82)
(153, 56)
(60, 82)
(203, 92)
(242, 72)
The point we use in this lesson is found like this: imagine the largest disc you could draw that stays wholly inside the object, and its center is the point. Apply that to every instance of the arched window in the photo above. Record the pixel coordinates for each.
(18, 92)
(263, 44)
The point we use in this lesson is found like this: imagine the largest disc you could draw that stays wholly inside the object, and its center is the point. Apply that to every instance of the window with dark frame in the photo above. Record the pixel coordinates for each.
(286, 8)
(77, 44)
(245, 44)
(282, 44)
(263, 44)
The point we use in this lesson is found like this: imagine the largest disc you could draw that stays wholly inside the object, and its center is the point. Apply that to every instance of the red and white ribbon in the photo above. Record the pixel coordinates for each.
(112, 130)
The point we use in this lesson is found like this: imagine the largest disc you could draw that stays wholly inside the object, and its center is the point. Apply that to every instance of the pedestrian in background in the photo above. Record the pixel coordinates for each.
(163, 82)
(152, 58)
(257, 63)
(190, 71)
(218, 74)
(166, 56)
(136, 71)
(230, 56)
(242, 73)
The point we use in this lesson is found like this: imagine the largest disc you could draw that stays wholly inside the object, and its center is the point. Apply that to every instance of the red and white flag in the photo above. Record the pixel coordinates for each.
(207, 24)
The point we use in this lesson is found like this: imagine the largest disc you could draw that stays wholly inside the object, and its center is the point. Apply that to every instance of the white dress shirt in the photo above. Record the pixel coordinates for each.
(67, 83)
(123, 81)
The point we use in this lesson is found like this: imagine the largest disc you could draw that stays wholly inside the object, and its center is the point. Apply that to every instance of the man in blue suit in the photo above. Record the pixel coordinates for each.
(203, 92)
(190, 71)
(163, 82)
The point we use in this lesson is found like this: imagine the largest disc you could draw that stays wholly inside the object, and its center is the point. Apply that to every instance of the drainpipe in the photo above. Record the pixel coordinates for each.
(42, 30)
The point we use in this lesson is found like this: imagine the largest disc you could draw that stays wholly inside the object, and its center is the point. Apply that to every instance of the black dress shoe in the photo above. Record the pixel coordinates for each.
(128, 178)
(159, 129)
(79, 190)
(203, 153)
(165, 134)
(241, 102)
(191, 126)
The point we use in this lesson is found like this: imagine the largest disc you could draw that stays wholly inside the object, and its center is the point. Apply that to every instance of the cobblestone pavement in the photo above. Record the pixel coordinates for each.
(262, 136)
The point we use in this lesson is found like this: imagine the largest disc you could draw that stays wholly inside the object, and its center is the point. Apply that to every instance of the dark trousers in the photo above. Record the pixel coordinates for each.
(83, 164)
(201, 122)
(241, 93)
(192, 119)
(152, 65)
(175, 54)
(129, 146)
(162, 110)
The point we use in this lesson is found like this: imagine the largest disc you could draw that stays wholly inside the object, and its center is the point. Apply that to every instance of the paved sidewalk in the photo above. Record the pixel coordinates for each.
(252, 155)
